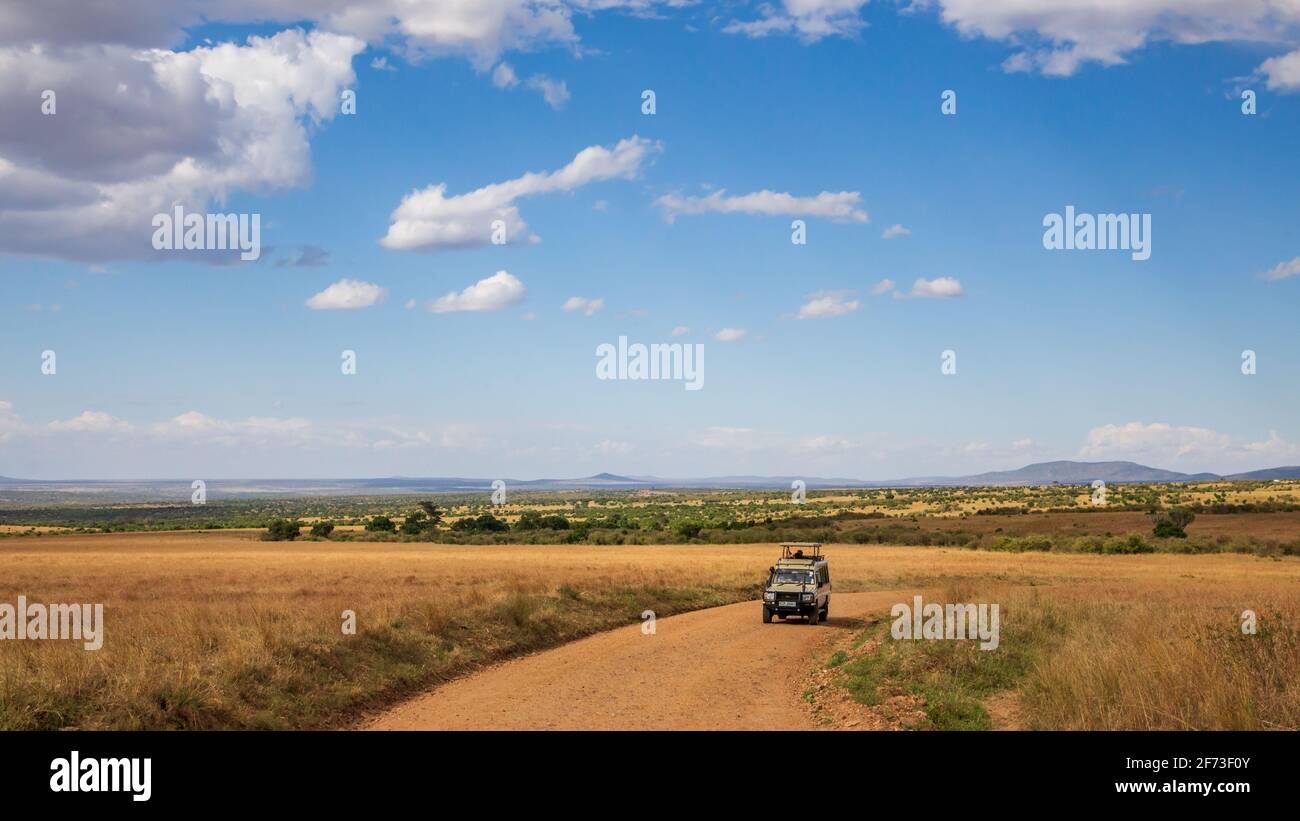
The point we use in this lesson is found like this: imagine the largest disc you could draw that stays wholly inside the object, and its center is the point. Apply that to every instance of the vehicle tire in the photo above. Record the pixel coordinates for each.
(813, 617)
(826, 609)
(767, 615)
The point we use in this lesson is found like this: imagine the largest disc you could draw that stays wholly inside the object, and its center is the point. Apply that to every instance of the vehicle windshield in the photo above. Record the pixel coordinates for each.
(792, 577)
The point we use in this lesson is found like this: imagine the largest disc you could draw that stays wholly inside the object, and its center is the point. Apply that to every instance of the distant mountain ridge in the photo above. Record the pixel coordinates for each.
(1076, 473)
(1062, 472)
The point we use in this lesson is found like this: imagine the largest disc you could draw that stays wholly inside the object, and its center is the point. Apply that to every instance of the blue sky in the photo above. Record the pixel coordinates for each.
(170, 366)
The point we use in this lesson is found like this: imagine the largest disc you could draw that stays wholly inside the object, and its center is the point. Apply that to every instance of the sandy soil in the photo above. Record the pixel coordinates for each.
(720, 668)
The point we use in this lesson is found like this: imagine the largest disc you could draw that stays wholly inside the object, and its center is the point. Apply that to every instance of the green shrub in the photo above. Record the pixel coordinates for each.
(689, 529)
(1172, 525)
(1133, 544)
(1088, 544)
(532, 520)
(1021, 544)
(483, 523)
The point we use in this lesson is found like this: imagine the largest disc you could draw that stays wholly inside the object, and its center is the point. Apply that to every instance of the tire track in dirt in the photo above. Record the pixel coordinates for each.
(719, 668)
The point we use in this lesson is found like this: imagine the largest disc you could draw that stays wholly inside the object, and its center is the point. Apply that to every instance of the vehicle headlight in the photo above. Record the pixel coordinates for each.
(807, 596)
(769, 596)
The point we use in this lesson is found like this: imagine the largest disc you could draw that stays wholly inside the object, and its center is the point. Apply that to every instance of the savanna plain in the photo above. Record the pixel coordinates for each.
(1104, 624)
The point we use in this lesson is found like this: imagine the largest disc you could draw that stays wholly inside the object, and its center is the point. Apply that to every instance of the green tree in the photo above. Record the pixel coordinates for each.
(381, 524)
(415, 523)
(322, 529)
(433, 513)
(1172, 524)
(281, 530)
(529, 520)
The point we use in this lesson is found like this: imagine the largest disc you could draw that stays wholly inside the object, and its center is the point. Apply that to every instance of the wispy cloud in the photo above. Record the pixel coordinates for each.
(809, 20)
(554, 92)
(839, 206)
(429, 219)
(1283, 270)
(504, 76)
(584, 305)
(309, 256)
(882, 287)
(1161, 443)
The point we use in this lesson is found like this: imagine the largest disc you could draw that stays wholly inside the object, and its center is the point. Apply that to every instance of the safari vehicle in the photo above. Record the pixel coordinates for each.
(799, 584)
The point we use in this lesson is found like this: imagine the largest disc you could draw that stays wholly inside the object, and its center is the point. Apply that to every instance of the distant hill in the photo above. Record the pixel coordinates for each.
(1292, 472)
(1074, 473)
(1062, 472)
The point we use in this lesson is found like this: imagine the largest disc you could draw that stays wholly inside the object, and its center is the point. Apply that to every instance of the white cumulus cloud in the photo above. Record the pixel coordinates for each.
(938, 288)
(347, 294)
(824, 304)
(1057, 37)
(1156, 441)
(139, 131)
(1282, 73)
(501, 290)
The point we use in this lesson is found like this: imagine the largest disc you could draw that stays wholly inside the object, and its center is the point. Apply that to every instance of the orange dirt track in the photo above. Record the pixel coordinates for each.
(720, 668)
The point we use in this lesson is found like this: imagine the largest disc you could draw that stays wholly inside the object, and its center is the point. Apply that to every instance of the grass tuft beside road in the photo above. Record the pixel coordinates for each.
(952, 679)
(1097, 657)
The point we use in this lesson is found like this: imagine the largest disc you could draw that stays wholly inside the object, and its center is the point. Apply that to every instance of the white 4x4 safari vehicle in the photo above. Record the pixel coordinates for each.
(799, 584)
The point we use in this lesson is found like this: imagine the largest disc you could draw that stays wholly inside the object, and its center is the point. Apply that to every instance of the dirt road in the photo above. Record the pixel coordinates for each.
(720, 668)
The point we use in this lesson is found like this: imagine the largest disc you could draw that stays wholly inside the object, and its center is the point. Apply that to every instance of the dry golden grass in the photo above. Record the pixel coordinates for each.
(1169, 655)
(1283, 526)
(1123, 643)
(219, 629)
